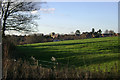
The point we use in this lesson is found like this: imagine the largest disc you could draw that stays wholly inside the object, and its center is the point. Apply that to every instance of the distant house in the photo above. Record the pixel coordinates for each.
(54, 36)
(93, 35)
(116, 34)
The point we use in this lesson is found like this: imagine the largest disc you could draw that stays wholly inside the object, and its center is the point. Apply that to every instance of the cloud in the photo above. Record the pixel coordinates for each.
(47, 10)
(34, 12)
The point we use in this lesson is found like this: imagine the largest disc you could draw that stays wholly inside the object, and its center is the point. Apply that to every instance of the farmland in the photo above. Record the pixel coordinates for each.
(84, 53)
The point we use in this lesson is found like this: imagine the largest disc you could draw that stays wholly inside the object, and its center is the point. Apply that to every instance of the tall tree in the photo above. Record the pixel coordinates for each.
(17, 16)
(93, 30)
(77, 32)
(100, 31)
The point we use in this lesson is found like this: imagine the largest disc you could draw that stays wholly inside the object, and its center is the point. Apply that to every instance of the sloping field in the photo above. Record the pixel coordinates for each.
(89, 53)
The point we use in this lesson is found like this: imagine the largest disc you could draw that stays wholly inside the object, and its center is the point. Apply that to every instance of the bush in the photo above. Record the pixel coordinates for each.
(8, 46)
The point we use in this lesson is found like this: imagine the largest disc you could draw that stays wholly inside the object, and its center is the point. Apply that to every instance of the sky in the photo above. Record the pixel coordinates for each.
(67, 17)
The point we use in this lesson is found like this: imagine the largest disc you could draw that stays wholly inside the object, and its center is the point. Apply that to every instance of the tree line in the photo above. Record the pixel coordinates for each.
(40, 38)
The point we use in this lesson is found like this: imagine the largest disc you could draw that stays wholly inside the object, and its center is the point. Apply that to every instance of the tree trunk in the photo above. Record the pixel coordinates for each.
(3, 30)
(4, 19)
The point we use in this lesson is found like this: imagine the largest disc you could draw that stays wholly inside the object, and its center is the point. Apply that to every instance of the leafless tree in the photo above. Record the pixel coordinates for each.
(106, 31)
(17, 16)
(111, 32)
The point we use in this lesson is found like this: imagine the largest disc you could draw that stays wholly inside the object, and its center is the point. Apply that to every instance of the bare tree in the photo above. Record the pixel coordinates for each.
(17, 16)
(111, 32)
(106, 31)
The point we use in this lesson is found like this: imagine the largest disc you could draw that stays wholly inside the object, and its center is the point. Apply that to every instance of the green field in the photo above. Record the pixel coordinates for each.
(89, 53)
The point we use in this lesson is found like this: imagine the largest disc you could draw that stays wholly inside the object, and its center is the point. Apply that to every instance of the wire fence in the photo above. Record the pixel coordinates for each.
(49, 64)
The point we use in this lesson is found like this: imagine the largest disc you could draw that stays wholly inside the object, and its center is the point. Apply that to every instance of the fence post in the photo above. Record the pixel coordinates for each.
(37, 62)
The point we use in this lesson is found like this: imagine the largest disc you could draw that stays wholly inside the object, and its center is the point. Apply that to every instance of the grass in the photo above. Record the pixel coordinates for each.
(84, 53)
(19, 69)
